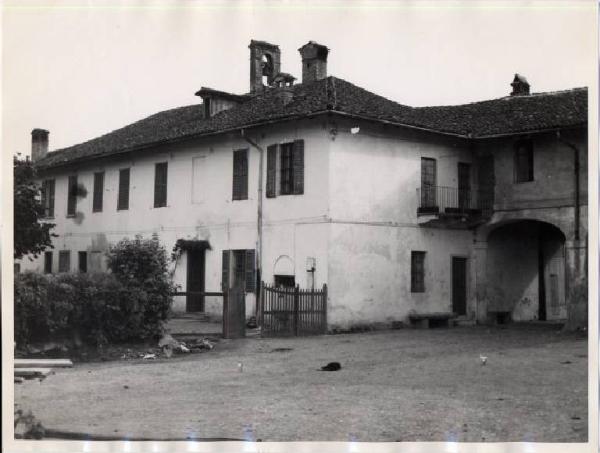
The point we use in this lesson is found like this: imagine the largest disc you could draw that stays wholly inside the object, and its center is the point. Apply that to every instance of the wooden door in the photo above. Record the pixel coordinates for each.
(554, 281)
(195, 280)
(459, 285)
(464, 185)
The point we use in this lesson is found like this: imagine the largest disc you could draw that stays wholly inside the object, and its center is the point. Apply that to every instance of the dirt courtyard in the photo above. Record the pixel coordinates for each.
(399, 385)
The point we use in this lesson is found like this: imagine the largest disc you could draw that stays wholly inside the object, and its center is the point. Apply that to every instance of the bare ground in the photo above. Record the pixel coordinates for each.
(400, 385)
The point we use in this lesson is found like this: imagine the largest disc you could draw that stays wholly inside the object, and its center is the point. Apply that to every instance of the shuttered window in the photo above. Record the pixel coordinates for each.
(48, 197)
(523, 161)
(64, 261)
(160, 185)
(72, 196)
(417, 272)
(240, 175)
(98, 192)
(123, 198)
(271, 171)
(47, 262)
(285, 169)
(239, 267)
(428, 182)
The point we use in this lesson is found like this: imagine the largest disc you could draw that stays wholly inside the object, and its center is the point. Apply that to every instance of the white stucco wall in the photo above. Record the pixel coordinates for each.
(199, 205)
(374, 176)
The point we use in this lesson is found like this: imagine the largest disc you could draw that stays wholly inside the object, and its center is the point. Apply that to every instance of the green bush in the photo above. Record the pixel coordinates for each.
(132, 303)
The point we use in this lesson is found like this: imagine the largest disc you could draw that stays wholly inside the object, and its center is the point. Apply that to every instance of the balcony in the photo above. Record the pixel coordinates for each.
(450, 207)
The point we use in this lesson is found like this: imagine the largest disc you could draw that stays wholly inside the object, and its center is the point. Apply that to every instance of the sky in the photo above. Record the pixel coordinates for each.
(83, 68)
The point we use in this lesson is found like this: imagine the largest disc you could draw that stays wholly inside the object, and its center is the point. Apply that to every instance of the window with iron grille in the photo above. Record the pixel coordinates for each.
(47, 262)
(160, 185)
(48, 197)
(123, 198)
(417, 272)
(240, 175)
(72, 196)
(286, 169)
(98, 192)
(523, 161)
(64, 261)
(239, 268)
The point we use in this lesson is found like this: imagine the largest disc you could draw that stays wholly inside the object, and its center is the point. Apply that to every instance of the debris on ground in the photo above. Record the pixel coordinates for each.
(43, 363)
(482, 359)
(281, 349)
(566, 362)
(332, 366)
(32, 373)
(240, 367)
(149, 356)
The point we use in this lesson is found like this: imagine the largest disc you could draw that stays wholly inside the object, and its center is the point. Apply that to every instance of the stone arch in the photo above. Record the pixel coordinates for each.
(284, 265)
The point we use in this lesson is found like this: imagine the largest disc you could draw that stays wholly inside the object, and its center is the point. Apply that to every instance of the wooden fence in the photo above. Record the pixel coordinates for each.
(292, 311)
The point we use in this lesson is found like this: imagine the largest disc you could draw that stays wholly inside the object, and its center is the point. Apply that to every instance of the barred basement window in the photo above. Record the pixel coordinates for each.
(123, 199)
(98, 192)
(72, 196)
(240, 175)
(48, 187)
(523, 161)
(160, 185)
(64, 261)
(417, 272)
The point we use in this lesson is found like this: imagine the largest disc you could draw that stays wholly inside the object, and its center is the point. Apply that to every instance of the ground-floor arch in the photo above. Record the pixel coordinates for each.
(526, 272)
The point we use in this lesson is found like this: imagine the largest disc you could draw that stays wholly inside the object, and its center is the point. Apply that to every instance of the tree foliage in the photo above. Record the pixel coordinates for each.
(30, 235)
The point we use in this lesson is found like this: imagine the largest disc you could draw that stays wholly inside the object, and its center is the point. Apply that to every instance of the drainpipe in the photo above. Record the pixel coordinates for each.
(259, 214)
(576, 169)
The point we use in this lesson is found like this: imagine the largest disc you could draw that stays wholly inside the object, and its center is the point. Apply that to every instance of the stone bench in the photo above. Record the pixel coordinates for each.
(426, 320)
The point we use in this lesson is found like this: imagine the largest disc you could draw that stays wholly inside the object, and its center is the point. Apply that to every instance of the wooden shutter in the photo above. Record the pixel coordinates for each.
(298, 163)
(225, 271)
(160, 184)
(271, 170)
(240, 175)
(51, 186)
(98, 192)
(250, 271)
(72, 196)
(45, 198)
(123, 200)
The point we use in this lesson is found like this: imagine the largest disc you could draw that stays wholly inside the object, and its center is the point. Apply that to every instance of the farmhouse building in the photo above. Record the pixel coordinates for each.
(477, 209)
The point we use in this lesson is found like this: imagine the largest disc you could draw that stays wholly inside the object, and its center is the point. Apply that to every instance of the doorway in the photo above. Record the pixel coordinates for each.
(464, 185)
(459, 285)
(195, 281)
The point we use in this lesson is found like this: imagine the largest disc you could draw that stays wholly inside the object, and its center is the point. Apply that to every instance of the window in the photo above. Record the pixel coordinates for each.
(47, 262)
(64, 261)
(82, 262)
(240, 175)
(287, 281)
(285, 169)
(239, 268)
(48, 197)
(160, 185)
(417, 272)
(98, 192)
(72, 196)
(524, 161)
(123, 198)
(428, 182)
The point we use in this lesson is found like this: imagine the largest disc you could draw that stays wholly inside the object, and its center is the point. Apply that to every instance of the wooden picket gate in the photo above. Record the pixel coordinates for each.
(293, 311)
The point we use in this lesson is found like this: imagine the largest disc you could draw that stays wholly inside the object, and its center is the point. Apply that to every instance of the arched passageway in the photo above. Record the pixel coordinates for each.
(525, 272)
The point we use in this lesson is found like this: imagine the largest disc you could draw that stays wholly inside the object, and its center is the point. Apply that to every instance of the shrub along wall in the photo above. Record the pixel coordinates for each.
(131, 303)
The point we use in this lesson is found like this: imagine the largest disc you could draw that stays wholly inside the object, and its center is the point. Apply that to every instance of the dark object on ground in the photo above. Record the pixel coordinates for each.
(251, 324)
(282, 349)
(566, 362)
(125, 386)
(332, 366)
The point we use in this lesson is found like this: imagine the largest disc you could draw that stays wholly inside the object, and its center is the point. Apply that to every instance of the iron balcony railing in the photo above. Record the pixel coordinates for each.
(449, 200)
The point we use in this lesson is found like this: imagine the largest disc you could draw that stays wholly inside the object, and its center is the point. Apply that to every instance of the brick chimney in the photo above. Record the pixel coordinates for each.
(39, 144)
(314, 61)
(520, 86)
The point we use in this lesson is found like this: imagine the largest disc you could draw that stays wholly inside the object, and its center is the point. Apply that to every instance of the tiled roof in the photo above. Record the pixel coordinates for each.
(509, 115)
